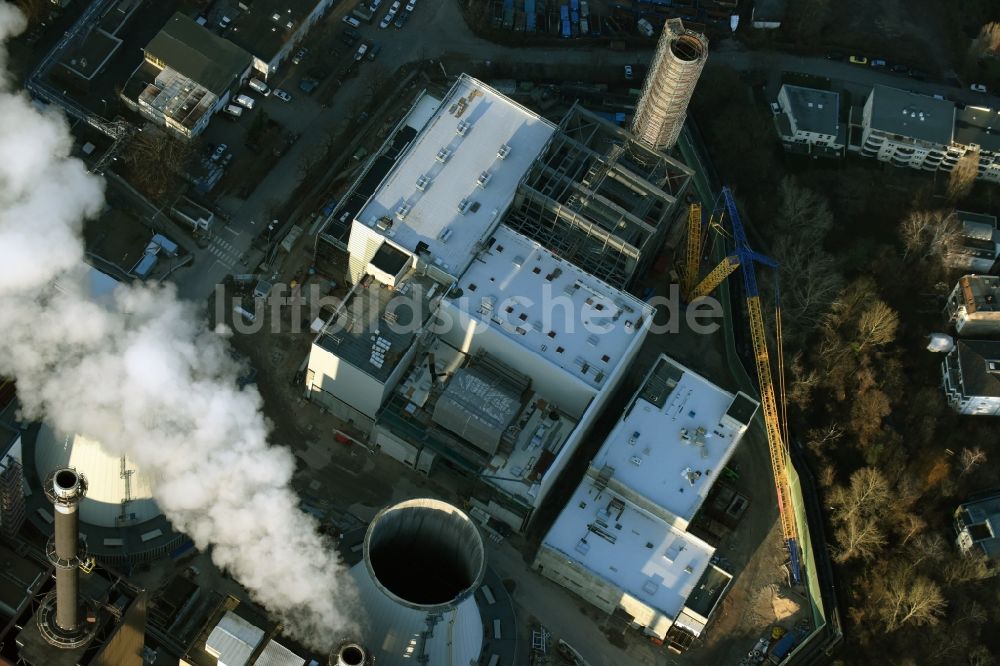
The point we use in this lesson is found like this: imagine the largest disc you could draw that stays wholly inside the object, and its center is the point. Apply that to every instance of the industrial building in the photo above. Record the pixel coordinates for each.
(970, 377)
(486, 326)
(271, 29)
(977, 246)
(808, 121)
(510, 387)
(976, 526)
(622, 543)
(600, 199)
(973, 307)
(430, 618)
(187, 74)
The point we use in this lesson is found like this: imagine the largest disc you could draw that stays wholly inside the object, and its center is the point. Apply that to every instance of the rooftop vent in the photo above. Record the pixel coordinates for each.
(462, 128)
(403, 211)
(383, 223)
(423, 183)
(484, 178)
(443, 155)
(504, 151)
(445, 234)
(463, 206)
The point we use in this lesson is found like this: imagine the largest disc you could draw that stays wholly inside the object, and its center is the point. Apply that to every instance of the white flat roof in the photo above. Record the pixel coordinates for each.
(562, 313)
(656, 451)
(654, 562)
(492, 121)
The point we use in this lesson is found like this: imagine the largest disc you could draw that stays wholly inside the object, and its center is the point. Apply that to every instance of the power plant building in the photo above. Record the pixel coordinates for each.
(466, 338)
(622, 543)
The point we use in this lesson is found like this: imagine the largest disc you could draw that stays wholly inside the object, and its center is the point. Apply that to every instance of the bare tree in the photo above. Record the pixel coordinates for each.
(927, 233)
(987, 42)
(155, 160)
(963, 175)
(969, 459)
(877, 325)
(858, 537)
(802, 213)
(866, 494)
(901, 599)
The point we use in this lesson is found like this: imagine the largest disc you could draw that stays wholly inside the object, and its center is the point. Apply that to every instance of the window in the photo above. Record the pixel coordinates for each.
(522, 317)
(559, 350)
(499, 248)
(605, 358)
(536, 270)
(472, 286)
(509, 309)
(583, 505)
(552, 334)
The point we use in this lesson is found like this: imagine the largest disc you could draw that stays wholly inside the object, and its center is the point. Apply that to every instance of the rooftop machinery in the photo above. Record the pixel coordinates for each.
(775, 422)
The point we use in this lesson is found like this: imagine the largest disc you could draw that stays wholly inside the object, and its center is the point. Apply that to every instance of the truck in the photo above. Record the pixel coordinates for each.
(783, 647)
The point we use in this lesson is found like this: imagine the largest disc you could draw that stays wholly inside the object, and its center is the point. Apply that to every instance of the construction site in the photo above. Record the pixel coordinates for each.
(583, 488)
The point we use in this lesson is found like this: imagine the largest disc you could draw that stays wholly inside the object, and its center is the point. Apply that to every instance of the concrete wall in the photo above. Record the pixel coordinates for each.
(570, 394)
(345, 382)
(567, 572)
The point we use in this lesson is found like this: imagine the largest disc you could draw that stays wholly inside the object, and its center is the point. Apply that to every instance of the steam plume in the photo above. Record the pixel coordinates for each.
(143, 374)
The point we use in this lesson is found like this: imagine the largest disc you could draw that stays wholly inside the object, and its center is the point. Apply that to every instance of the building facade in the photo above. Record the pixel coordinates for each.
(971, 377)
(188, 73)
(808, 121)
(621, 542)
(978, 245)
(977, 526)
(973, 307)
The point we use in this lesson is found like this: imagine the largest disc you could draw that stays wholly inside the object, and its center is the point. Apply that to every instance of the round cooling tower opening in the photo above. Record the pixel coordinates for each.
(425, 553)
(66, 480)
(351, 655)
(687, 48)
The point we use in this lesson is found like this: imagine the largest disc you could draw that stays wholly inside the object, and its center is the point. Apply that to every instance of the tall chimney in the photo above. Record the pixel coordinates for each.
(65, 488)
(677, 64)
(351, 653)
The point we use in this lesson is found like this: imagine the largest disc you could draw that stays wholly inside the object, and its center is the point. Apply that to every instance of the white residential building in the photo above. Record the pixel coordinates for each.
(978, 244)
(809, 121)
(621, 542)
(973, 306)
(970, 377)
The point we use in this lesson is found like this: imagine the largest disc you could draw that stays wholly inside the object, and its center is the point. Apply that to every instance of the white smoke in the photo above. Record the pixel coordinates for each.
(144, 375)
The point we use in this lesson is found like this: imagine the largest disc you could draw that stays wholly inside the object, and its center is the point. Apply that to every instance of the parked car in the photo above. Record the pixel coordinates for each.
(374, 51)
(411, 5)
(351, 21)
(233, 111)
(834, 55)
(878, 62)
(395, 6)
(246, 101)
(387, 19)
(282, 95)
(299, 56)
(220, 150)
(899, 69)
(374, 5)
(401, 19)
(362, 50)
(629, 74)
(775, 108)
(918, 74)
(224, 22)
(308, 85)
(858, 60)
(259, 86)
(978, 87)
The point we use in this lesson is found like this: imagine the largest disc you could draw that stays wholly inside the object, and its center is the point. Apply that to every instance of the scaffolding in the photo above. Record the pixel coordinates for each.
(11, 497)
(598, 200)
(680, 56)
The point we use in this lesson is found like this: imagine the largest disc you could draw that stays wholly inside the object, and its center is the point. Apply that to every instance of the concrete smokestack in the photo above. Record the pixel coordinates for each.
(65, 488)
(423, 560)
(680, 56)
(351, 653)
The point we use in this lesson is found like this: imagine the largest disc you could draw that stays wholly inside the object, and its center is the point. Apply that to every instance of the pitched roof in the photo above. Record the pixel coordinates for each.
(976, 359)
(813, 110)
(198, 53)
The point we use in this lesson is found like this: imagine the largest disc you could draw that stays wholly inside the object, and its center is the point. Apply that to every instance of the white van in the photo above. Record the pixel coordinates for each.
(351, 21)
(245, 101)
(233, 110)
(260, 87)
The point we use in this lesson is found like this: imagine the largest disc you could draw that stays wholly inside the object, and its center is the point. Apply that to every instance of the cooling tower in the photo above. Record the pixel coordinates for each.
(673, 74)
(119, 493)
(423, 560)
